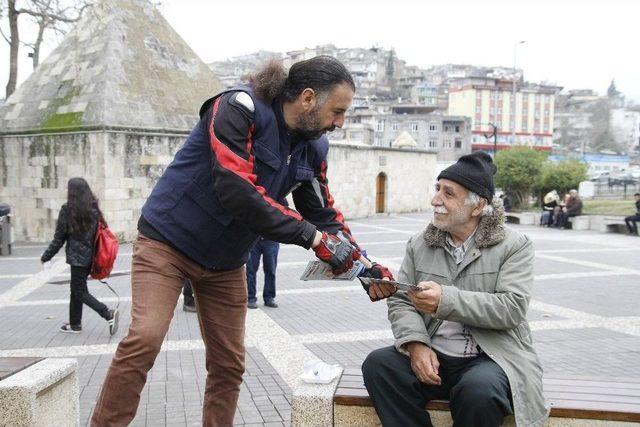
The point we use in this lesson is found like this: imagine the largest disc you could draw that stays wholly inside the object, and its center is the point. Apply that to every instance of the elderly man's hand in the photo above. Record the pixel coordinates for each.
(428, 299)
(424, 363)
(381, 291)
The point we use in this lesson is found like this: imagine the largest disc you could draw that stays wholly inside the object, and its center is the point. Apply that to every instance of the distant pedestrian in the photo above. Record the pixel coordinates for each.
(188, 302)
(268, 249)
(506, 202)
(77, 225)
(632, 221)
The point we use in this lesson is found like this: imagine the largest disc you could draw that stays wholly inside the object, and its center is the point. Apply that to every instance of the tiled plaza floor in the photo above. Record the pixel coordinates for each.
(584, 315)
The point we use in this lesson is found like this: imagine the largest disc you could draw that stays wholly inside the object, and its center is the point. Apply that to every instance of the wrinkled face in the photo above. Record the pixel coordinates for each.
(450, 212)
(317, 119)
(637, 198)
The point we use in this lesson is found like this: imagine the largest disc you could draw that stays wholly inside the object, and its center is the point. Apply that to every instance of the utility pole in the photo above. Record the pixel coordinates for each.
(494, 134)
(513, 94)
(495, 139)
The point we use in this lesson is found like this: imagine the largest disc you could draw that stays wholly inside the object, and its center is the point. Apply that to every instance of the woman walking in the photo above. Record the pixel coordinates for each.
(77, 225)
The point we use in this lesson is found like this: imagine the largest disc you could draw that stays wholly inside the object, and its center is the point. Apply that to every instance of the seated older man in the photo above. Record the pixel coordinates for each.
(464, 336)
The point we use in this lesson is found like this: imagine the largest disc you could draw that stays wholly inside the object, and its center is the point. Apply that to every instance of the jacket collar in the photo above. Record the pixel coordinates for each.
(490, 231)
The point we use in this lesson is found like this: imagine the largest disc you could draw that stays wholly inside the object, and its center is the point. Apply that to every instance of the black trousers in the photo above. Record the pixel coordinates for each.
(631, 222)
(80, 295)
(187, 292)
(477, 389)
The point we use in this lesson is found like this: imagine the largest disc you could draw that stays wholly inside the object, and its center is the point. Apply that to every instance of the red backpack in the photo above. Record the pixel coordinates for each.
(105, 252)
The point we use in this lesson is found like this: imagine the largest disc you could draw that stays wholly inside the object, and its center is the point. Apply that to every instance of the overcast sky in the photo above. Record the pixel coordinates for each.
(575, 44)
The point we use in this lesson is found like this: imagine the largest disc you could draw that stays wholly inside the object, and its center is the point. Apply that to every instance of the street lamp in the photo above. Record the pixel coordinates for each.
(493, 134)
(513, 94)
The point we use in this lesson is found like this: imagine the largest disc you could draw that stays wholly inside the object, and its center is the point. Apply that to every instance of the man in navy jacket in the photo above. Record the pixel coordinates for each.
(252, 147)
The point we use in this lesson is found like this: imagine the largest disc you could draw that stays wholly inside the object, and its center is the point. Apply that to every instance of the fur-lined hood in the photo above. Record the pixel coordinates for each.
(490, 230)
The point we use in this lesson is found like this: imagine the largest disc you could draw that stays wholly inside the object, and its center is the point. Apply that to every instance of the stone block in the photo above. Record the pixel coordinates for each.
(581, 222)
(43, 394)
(116, 194)
(312, 404)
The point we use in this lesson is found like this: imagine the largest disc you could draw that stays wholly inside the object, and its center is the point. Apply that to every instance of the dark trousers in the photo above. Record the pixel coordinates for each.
(268, 249)
(563, 219)
(80, 295)
(477, 389)
(631, 222)
(157, 276)
(187, 292)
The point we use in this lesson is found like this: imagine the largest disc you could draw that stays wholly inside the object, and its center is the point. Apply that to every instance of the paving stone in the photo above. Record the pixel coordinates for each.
(174, 391)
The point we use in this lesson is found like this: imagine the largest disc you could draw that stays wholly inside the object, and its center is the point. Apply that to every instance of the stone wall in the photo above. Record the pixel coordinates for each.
(122, 168)
(353, 170)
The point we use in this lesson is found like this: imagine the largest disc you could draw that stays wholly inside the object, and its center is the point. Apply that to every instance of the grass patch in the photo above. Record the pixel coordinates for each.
(609, 207)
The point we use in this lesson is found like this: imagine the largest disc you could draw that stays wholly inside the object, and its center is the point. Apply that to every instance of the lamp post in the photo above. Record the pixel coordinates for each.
(494, 134)
(513, 94)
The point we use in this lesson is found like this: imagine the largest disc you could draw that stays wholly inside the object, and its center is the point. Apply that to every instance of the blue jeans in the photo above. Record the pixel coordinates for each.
(269, 251)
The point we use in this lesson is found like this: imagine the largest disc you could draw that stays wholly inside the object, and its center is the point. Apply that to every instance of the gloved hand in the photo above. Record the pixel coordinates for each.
(378, 292)
(336, 252)
(357, 252)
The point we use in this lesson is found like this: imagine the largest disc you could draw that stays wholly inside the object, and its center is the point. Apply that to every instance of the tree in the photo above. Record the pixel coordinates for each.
(53, 15)
(562, 176)
(612, 92)
(518, 171)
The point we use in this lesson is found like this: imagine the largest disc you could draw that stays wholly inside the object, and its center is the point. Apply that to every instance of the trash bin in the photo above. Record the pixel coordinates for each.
(6, 234)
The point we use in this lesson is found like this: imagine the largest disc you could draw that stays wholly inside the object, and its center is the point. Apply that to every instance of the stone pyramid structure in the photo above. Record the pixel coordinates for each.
(123, 66)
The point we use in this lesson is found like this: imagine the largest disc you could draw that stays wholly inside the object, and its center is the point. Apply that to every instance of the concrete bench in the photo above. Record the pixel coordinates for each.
(522, 218)
(581, 222)
(38, 392)
(574, 402)
(613, 223)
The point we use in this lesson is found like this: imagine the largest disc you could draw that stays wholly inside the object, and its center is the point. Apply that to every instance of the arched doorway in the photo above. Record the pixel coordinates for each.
(381, 185)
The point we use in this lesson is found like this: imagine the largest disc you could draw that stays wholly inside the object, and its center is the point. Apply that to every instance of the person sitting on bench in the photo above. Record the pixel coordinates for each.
(464, 336)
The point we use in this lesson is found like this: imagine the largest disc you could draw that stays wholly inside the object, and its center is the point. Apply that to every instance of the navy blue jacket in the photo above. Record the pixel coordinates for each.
(221, 190)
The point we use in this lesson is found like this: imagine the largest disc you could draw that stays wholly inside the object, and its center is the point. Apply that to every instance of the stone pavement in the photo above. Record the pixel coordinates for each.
(584, 315)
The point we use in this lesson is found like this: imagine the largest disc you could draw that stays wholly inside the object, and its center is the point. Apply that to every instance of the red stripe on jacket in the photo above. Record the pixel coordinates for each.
(241, 167)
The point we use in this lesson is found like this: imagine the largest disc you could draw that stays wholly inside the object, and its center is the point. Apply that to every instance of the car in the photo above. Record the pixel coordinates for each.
(623, 179)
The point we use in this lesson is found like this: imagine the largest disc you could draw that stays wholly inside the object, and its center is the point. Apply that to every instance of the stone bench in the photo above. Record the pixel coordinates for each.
(574, 402)
(522, 218)
(580, 222)
(613, 223)
(38, 392)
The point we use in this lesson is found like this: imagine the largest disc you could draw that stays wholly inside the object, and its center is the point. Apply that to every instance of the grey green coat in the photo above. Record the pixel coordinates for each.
(490, 292)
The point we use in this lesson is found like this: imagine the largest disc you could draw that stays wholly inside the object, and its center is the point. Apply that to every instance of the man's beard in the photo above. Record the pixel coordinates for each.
(451, 220)
(308, 126)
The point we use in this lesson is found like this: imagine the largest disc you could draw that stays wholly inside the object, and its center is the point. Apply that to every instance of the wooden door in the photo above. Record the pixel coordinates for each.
(381, 183)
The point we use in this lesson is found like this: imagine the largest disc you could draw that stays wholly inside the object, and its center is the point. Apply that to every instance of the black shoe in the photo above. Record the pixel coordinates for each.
(71, 329)
(189, 308)
(271, 303)
(252, 304)
(114, 317)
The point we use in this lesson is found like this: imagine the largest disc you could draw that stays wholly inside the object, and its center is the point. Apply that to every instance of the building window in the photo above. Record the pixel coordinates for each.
(380, 127)
(433, 143)
(457, 128)
(433, 127)
(447, 128)
(414, 127)
(458, 143)
(394, 126)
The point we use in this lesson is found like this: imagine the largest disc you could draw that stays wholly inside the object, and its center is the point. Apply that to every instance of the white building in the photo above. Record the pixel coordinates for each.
(625, 128)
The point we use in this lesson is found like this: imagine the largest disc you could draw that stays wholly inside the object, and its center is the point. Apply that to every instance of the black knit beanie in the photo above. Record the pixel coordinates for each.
(474, 172)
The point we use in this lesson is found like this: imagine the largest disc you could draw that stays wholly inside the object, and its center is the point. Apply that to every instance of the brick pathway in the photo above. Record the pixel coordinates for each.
(584, 316)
